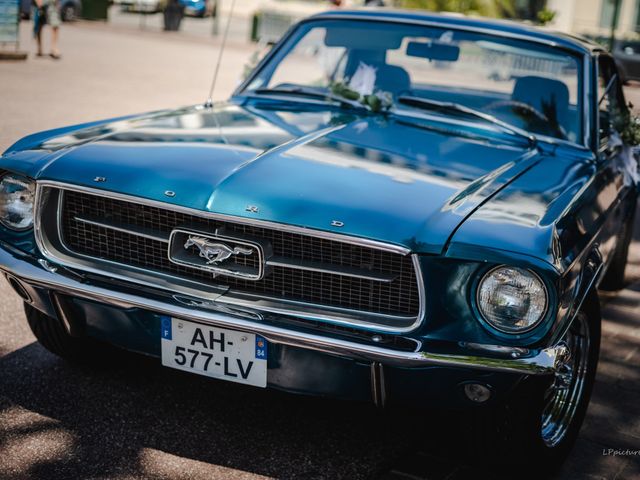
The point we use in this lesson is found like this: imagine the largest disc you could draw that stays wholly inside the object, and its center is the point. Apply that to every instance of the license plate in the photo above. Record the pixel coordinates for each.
(215, 352)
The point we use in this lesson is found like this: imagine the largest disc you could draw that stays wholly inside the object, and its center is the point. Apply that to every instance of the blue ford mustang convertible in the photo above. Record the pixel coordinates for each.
(397, 208)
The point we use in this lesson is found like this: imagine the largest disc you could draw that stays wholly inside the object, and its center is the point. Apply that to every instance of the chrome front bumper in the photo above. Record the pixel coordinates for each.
(26, 269)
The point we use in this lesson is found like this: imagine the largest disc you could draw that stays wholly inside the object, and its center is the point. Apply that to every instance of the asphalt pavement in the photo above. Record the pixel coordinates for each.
(136, 419)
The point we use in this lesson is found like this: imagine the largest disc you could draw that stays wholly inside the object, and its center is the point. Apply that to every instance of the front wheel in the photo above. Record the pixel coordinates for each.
(538, 427)
(53, 336)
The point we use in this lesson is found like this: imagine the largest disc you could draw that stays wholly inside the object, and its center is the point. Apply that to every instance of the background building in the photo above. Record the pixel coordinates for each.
(594, 17)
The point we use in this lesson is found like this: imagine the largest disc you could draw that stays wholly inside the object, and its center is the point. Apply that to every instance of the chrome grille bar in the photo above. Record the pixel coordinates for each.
(137, 231)
(376, 276)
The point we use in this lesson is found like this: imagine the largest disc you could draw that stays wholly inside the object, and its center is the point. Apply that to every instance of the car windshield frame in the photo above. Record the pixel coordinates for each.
(582, 59)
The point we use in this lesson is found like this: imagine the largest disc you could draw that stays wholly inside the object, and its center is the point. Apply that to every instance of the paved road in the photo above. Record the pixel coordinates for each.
(137, 420)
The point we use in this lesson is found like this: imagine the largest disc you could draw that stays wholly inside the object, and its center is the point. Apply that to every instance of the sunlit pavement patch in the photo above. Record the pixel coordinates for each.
(29, 441)
(157, 464)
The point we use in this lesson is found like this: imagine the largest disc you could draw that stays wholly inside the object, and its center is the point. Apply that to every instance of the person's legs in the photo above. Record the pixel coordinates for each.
(37, 29)
(53, 19)
(54, 42)
(39, 41)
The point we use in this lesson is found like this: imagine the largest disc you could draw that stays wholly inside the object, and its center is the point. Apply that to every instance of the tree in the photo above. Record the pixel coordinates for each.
(487, 8)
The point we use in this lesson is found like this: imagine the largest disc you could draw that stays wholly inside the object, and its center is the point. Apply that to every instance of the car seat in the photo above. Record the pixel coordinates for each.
(545, 95)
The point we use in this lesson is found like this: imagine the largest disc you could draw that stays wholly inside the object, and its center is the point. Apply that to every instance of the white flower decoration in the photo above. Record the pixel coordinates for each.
(363, 80)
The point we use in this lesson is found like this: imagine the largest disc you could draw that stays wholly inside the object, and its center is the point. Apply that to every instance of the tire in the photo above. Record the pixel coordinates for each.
(528, 433)
(614, 277)
(53, 336)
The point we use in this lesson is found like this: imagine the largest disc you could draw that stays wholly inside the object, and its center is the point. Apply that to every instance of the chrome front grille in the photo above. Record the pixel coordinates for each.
(302, 268)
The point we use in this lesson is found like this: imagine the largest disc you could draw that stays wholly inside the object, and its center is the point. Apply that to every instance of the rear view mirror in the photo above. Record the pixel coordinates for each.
(435, 50)
(375, 39)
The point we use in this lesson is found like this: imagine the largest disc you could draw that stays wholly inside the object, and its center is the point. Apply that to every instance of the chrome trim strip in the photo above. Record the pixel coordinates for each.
(588, 122)
(351, 318)
(339, 237)
(383, 385)
(332, 269)
(540, 362)
(137, 232)
(62, 314)
(378, 386)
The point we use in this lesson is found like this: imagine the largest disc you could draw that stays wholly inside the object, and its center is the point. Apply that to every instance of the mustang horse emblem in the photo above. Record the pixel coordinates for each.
(215, 252)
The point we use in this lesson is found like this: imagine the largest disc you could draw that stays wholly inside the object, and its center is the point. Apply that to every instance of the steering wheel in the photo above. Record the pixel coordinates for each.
(541, 122)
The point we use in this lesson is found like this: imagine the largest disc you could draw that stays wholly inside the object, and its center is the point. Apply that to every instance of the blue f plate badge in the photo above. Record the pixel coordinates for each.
(214, 352)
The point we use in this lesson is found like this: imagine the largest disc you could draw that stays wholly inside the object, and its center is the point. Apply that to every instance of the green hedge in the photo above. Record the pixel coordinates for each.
(489, 8)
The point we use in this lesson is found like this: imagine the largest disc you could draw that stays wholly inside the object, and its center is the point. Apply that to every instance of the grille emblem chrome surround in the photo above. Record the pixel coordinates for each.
(218, 253)
(214, 252)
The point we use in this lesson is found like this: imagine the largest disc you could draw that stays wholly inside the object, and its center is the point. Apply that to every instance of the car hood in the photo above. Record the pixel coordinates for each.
(406, 181)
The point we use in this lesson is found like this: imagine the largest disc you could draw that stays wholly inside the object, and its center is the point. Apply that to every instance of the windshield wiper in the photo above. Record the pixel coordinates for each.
(311, 93)
(428, 104)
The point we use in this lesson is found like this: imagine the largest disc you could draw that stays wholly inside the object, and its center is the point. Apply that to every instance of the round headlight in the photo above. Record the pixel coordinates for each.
(511, 299)
(16, 202)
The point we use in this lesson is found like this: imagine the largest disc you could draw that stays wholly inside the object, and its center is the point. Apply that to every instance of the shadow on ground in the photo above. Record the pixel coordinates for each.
(140, 420)
(109, 420)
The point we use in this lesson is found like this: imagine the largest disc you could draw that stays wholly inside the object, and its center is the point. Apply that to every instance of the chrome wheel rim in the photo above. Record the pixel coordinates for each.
(563, 397)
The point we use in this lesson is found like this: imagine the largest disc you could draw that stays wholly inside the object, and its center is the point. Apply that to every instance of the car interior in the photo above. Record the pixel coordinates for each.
(537, 103)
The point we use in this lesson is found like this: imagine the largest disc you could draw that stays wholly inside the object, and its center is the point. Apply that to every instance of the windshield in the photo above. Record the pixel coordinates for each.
(525, 84)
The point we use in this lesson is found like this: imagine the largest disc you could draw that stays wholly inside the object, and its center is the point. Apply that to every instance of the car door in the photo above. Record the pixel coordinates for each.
(612, 182)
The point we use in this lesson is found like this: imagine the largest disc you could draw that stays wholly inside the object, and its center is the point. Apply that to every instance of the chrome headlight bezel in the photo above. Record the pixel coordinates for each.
(30, 205)
(501, 329)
